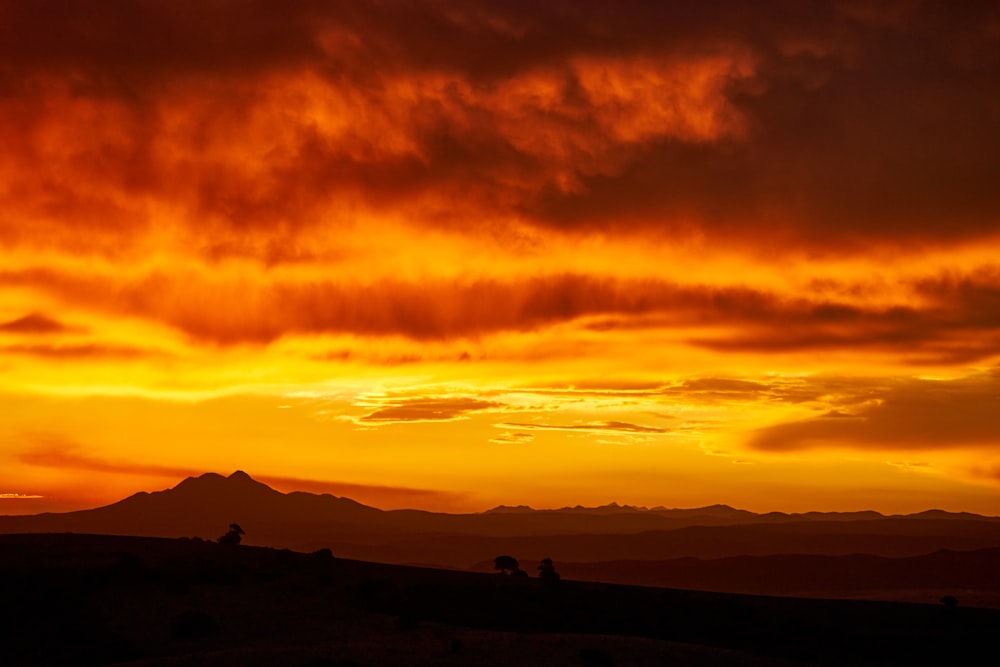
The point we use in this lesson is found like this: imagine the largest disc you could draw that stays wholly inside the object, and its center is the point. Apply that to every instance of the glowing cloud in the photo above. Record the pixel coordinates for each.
(703, 227)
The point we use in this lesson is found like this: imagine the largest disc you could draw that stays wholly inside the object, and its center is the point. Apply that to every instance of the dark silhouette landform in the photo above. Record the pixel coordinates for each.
(918, 557)
(305, 579)
(71, 599)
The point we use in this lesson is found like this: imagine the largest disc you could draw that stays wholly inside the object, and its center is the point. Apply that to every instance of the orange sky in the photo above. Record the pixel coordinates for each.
(450, 255)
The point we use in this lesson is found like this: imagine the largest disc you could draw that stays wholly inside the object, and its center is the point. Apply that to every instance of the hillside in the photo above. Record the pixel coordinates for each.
(87, 599)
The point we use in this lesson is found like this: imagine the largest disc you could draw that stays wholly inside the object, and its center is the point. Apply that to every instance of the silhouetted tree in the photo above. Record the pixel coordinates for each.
(323, 555)
(949, 601)
(234, 535)
(506, 565)
(547, 571)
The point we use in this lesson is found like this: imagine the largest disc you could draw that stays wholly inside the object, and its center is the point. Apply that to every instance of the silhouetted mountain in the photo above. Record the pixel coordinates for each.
(726, 515)
(204, 506)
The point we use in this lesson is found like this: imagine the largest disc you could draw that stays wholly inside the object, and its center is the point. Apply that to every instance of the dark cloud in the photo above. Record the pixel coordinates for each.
(239, 313)
(971, 300)
(596, 427)
(512, 438)
(393, 495)
(426, 409)
(121, 41)
(825, 122)
(80, 352)
(37, 323)
(955, 320)
(859, 128)
(908, 415)
(948, 321)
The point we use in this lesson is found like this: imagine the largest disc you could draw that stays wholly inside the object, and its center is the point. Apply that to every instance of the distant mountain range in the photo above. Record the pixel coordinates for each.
(719, 514)
(204, 506)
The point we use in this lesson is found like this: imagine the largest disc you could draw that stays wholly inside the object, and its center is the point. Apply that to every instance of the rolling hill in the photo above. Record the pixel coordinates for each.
(203, 506)
(94, 600)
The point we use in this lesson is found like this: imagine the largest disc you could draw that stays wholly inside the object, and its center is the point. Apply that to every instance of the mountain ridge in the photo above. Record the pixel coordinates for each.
(205, 505)
(240, 480)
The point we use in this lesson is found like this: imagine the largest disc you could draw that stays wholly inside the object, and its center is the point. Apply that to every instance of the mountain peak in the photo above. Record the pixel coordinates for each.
(510, 509)
(200, 480)
(213, 482)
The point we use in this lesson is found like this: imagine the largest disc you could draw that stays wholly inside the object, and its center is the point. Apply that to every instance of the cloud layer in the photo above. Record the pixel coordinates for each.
(907, 415)
(756, 229)
(833, 124)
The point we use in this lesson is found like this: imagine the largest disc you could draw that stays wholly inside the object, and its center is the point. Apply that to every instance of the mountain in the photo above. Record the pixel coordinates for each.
(714, 515)
(204, 506)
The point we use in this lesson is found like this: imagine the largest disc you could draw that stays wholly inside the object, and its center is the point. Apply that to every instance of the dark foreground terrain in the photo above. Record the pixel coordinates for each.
(89, 599)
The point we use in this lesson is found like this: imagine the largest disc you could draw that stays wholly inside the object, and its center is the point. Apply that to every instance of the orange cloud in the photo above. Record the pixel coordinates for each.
(732, 217)
(427, 409)
(637, 116)
(35, 323)
(932, 324)
(84, 351)
(596, 427)
(909, 415)
(52, 451)
(381, 496)
(512, 438)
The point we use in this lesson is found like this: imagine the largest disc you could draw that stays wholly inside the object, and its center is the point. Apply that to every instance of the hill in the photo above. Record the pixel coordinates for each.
(203, 506)
(972, 576)
(88, 599)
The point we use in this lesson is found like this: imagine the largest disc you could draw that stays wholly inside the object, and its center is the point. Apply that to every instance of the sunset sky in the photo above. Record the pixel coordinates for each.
(455, 254)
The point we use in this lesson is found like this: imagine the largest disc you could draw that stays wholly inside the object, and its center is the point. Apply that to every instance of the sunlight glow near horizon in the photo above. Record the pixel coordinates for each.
(623, 265)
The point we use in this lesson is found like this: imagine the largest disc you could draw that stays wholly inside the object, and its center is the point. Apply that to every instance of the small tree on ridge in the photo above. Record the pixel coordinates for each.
(506, 565)
(233, 536)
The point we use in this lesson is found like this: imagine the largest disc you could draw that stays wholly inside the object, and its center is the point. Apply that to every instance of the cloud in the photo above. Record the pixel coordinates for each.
(381, 495)
(416, 180)
(512, 438)
(722, 385)
(238, 124)
(740, 319)
(598, 388)
(36, 323)
(18, 496)
(56, 451)
(80, 352)
(912, 466)
(939, 320)
(611, 427)
(943, 320)
(722, 389)
(917, 415)
(426, 409)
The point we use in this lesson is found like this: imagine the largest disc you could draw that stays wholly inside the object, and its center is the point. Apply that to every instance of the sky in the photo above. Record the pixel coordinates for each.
(456, 254)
